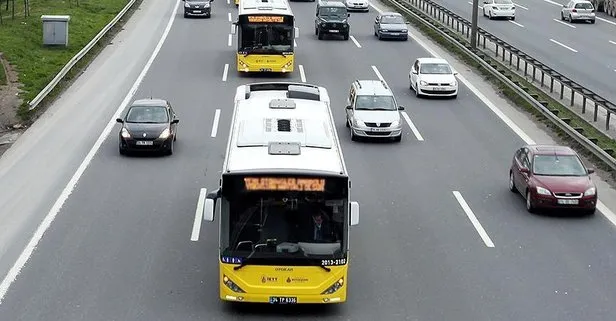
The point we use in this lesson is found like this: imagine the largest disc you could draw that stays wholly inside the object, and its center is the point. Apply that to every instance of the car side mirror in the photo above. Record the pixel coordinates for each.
(590, 170)
(564, 5)
(175, 121)
(349, 107)
(414, 72)
(400, 107)
(233, 28)
(455, 73)
(354, 213)
(348, 15)
(376, 20)
(524, 170)
(119, 120)
(296, 32)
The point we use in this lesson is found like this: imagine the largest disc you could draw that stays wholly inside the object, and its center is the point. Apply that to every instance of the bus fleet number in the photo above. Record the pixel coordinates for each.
(333, 262)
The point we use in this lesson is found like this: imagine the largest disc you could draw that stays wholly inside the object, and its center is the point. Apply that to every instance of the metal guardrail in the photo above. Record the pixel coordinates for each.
(56, 80)
(581, 139)
(540, 71)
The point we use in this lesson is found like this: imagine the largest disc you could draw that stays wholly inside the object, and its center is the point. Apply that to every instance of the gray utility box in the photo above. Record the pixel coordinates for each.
(55, 30)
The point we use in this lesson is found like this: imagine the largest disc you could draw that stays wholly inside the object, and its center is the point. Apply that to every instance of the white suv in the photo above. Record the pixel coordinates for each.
(577, 10)
(372, 111)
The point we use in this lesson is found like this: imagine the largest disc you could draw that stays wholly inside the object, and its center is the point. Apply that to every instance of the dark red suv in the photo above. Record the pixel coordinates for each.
(550, 176)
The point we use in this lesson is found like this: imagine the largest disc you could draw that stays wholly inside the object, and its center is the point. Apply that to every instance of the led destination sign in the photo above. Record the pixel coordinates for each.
(266, 19)
(284, 184)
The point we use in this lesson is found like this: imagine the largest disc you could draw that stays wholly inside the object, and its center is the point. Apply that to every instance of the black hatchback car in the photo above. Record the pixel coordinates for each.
(149, 125)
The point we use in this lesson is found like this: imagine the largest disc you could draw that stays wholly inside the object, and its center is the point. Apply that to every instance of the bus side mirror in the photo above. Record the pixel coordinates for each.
(210, 205)
(296, 32)
(354, 213)
(233, 28)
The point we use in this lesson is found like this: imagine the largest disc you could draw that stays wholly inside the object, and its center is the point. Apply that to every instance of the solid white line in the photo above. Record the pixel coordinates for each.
(225, 72)
(605, 20)
(229, 15)
(471, 216)
(228, 1)
(378, 74)
(564, 23)
(198, 215)
(229, 40)
(68, 189)
(504, 118)
(554, 3)
(523, 7)
(612, 42)
(215, 124)
(517, 24)
(302, 74)
(413, 127)
(356, 42)
(564, 46)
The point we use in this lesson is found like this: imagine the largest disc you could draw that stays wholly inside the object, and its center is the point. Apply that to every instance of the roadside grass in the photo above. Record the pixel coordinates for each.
(36, 65)
(3, 77)
(598, 138)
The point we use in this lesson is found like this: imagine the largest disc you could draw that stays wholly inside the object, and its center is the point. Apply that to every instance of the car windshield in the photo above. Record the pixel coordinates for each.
(435, 69)
(584, 5)
(147, 114)
(392, 20)
(375, 103)
(556, 165)
(503, 2)
(333, 12)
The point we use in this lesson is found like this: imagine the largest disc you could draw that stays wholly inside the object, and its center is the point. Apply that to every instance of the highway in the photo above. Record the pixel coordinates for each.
(581, 51)
(440, 237)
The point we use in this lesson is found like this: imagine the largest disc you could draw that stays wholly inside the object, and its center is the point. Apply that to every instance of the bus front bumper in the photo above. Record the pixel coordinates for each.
(338, 297)
(283, 66)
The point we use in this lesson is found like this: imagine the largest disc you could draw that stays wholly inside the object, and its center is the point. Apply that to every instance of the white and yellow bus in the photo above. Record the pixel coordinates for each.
(266, 36)
(284, 202)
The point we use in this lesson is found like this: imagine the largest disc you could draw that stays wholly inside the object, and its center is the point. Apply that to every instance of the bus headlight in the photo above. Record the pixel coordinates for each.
(335, 287)
(234, 287)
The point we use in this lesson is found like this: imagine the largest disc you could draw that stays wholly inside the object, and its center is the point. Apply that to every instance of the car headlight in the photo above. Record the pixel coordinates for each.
(207, 5)
(591, 191)
(335, 287)
(404, 31)
(423, 83)
(165, 133)
(125, 133)
(384, 30)
(360, 123)
(395, 123)
(186, 5)
(543, 191)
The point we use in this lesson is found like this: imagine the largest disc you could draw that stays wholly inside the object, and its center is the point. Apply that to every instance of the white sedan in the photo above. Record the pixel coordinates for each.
(499, 9)
(433, 77)
(357, 5)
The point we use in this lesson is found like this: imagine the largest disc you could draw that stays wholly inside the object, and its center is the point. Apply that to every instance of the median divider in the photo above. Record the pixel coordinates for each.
(450, 31)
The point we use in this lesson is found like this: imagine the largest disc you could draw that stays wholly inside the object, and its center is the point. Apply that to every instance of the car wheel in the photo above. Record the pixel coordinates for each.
(570, 18)
(398, 138)
(484, 12)
(410, 84)
(512, 18)
(417, 94)
(346, 36)
(592, 21)
(512, 183)
(529, 203)
(320, 35)
(562, 16)
(185, 15)
(346, 123)
(122, 151)
(353, 137)
(170, 149)
(316, 31)
(490, 15)
(590, 211)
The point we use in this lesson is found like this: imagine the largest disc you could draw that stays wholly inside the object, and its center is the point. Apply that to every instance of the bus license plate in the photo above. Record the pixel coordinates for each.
(145, 143)
(265, 69)
(283, 300)
(568, 202)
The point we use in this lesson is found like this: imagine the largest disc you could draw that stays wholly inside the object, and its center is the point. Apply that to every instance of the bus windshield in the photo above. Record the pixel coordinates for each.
(288, 222)
(266, 38)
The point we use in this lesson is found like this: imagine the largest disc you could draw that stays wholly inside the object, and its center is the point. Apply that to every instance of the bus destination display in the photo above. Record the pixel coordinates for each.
(266, 19)
(284, 184)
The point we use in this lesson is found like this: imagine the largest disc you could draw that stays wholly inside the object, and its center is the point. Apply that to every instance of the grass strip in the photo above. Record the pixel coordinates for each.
(3, 76)
(598, 138)
(36, 64)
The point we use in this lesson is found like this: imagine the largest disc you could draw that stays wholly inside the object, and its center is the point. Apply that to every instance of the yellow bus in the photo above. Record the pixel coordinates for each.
(266, 36)
(283, 205)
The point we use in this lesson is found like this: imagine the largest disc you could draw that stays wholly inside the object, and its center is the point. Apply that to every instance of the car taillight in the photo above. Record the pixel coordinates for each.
(574, 10)
(593, 10)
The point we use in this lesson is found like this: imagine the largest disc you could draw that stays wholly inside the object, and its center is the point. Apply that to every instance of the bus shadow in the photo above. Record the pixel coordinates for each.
(265, 75)
(268, 310)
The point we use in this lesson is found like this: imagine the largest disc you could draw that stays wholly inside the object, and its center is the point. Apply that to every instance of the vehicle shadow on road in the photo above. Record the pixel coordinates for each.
(266, 310)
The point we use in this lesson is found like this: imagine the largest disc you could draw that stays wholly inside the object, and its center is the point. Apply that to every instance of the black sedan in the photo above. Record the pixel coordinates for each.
(149, 125)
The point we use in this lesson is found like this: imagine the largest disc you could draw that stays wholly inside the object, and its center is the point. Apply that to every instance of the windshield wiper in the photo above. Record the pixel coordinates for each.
(245, 261)
(325, 268)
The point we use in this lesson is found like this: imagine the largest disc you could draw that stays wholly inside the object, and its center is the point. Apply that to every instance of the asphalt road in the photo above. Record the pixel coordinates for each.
(581, 51)
(120, 247)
